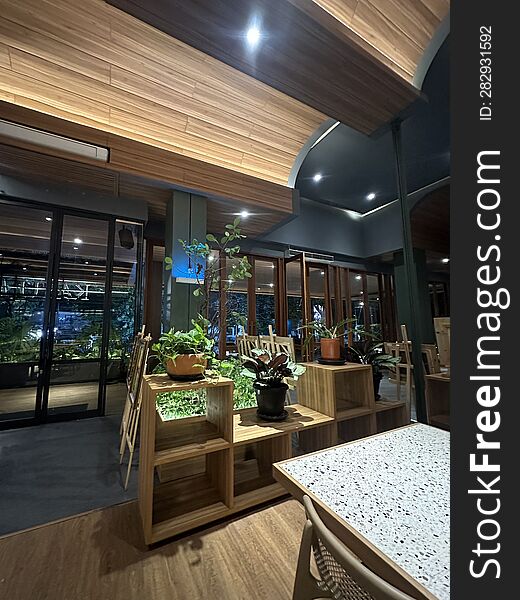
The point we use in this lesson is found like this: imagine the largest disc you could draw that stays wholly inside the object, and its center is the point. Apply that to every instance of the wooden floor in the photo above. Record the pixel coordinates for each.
(101, 556)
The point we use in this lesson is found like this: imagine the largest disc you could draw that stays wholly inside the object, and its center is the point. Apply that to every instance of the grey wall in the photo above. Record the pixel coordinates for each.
(74, 197)
(322, 229)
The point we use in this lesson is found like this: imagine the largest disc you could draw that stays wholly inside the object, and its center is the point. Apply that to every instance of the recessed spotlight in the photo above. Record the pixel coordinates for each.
(271, 285)
(78, 241)
(445, 260)
(258, 289)
(86, 262)
(95, 274)
(371, 196)
(358, 277)
(323, 273)
(48, 218)
(244, 214)
(272, 266)
(24, 268)
(253, 36)
(318, 177)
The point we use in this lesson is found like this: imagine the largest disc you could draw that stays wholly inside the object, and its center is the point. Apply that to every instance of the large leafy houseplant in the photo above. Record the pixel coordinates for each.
(330, 337)
(269, 372)
(213, 274)
(185, 354)
(370, 352)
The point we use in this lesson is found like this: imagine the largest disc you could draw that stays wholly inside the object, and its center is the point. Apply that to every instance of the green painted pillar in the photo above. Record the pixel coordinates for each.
(186, 219)
(424, 316)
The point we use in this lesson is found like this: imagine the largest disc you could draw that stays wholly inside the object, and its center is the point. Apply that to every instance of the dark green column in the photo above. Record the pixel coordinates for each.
(424, 317)
(411, 284)
(186, 219)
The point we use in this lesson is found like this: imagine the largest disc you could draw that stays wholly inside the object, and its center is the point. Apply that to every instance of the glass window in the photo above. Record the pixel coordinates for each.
(357, 303)
(265, 296)
(374, 306)
(236, 309)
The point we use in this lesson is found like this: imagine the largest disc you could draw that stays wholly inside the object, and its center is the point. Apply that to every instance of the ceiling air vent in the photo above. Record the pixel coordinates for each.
(311, 256)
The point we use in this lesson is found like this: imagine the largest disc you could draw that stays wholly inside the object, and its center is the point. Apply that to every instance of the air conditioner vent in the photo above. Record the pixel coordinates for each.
(311, 256)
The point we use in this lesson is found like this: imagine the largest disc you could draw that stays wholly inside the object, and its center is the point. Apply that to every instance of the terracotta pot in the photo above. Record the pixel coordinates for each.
(330, 348)
(186, 366)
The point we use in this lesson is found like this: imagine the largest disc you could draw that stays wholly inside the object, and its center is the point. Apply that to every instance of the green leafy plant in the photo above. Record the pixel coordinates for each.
(176, 405)
(338, 330)
(17, 341)
(270, 370)
(174, 343)
(212, 275)
(370, 352)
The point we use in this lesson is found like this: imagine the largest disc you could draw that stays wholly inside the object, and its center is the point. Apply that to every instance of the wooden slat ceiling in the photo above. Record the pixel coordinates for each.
(396, 32)
(95, 65)
(147, 161)
(303, 54)
(33, 166)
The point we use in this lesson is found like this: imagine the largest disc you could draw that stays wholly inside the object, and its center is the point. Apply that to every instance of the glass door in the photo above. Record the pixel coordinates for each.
(296, 308)
(25, 241)
(78, 329)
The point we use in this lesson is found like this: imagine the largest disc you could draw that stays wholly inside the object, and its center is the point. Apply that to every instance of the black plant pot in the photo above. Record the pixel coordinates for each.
(271, 401)
(376, 378)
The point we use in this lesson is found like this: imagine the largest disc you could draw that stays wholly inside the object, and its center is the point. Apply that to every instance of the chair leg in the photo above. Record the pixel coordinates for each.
(129, 468)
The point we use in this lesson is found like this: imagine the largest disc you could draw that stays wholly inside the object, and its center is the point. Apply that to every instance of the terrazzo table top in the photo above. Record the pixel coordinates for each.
(394, 489)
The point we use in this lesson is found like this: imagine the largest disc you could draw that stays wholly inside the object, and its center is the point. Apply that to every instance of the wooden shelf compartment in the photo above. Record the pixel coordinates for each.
(253, 464)
(343, 392)
(441, 420)
(391, 417)
(382, 405)
(355, 429)
(248, 427)
(193, 490)
(185, 438)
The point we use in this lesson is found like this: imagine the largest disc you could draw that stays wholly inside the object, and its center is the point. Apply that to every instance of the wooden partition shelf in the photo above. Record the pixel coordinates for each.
(196, 470)
(438, 400)
(346, 393)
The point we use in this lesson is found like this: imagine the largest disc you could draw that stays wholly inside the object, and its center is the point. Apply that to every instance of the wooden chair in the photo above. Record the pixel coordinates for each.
(342, 575)
(246, 343)
(129, 438)
(129, 376)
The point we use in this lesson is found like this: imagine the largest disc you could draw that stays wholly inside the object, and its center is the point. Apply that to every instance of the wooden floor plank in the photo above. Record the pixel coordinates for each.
(102, 556)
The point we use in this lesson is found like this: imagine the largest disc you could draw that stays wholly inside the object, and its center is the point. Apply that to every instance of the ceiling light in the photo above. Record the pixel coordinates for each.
(95, 274)
(272, 266)
(271, 285)
(24, 268)
(86, 262)
(445, 260)
(253, 36)
(258, 289)
(211, 258)
(318, 177)
(358, 277)
(76, 247)
(78, 241)
(48, 218)
(371, 196)
(244, 214)
(323, 272)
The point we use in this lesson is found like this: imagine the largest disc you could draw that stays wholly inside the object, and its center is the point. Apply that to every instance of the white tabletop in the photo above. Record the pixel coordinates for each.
(394, 489)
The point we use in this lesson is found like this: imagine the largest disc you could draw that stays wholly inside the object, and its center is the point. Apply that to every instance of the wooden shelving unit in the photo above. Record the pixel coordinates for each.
(194, 471)
(438, 400)
(346, 393)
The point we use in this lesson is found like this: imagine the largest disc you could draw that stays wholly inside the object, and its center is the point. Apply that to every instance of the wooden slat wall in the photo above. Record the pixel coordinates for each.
(94, 65)
(399, 29)
(33, 166)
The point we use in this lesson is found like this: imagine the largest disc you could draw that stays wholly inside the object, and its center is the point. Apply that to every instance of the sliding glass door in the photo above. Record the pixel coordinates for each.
(69, 290)
(25, 241)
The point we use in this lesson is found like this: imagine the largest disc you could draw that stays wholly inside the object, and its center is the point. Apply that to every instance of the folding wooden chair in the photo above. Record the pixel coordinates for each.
(129, 437)
(129, 376)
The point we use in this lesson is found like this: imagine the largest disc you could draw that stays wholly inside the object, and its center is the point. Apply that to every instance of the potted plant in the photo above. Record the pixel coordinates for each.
(269, 372)
(330, 337)
(371, 353)
(185, 354)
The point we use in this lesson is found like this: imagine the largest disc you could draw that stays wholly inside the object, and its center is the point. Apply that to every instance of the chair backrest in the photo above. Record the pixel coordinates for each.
(133, 357)
(141, 358)
(344, 575)
(246, 343)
